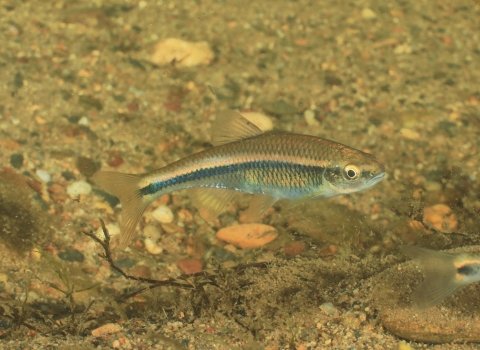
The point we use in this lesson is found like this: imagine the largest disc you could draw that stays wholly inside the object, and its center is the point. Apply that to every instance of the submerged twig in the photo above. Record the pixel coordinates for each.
(191, 281)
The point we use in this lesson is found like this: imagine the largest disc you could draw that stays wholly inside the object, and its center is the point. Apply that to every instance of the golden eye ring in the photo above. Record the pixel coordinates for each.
(352, 172)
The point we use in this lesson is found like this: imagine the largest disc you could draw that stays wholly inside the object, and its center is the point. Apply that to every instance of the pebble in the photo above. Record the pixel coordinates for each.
(222, 255)
(43, 175)
(403, 49)
(404, 346)
(329, 309)
(368, 13)
(112, 229)
(432, 186)
(68, 175)
(9, 143)
(432, 326)
(141, 271)
(259, 119)
(90, 102)
(79, 188)
(72, 255)
(125, 263)
(83, 121)
(152, 247)
(163, 214)
(294, 248)
(86, 166)
(440, 217)
(309, 116)
(106, 329)
(184, 53)
(114, 159)
(16, 160)
(279, 107)
(248, 235)
(152, 232)
(190, 266)
(409, 134)
(185, 216)
(416, 225)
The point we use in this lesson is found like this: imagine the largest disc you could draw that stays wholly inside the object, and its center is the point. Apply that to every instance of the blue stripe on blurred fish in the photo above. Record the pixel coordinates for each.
(273, 166)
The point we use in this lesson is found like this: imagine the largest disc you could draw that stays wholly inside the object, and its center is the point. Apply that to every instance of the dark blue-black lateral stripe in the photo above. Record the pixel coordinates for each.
(469, 269)
(205, 173)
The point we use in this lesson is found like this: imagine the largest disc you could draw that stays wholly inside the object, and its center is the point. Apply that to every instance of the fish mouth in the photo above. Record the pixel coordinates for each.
(376, 179)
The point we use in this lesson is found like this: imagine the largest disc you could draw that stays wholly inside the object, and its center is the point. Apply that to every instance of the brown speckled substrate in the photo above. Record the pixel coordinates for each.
(78, 93)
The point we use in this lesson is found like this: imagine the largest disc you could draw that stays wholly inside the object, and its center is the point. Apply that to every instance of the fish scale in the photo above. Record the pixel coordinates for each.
(262, 161)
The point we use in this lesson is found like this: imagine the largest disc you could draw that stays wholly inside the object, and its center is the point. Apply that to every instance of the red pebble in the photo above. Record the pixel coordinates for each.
(190, 266)
(133, 107)
(114, 160)
(173, 105)
(447, 40)
(294, 248)
(210, 330)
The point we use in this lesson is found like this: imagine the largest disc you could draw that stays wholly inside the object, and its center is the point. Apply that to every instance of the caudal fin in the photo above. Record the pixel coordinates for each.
(126, 188)
(441, 278)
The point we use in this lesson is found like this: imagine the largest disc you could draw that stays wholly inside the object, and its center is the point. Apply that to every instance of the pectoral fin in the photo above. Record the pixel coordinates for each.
(296, 202)
(259, 206)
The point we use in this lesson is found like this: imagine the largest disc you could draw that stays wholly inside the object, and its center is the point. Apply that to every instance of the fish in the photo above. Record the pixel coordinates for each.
(272, 166)
(445, 274)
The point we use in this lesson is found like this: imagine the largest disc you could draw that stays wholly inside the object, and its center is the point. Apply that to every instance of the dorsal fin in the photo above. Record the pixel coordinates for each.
(230, 126)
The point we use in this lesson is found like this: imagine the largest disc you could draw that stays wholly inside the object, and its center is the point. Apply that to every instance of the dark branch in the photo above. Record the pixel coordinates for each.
(208, 278)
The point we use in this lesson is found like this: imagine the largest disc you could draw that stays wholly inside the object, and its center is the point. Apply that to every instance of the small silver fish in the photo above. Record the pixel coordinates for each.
(272, 166)
(444, 273)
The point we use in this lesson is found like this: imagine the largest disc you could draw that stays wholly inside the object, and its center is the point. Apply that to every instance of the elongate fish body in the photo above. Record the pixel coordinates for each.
(272, 166)
(444, 273)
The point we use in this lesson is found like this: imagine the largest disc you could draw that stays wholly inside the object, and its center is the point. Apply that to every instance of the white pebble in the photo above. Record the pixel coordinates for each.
(309, 116)
(151, 232)
(263, 122)
(79, 187)
(329, 309)
(112, 229)
(163, 214)
(409, 134)
(83, 121)
(368, 13)
(184, 53)
(43, 175)
(403, 49)
(152, 247)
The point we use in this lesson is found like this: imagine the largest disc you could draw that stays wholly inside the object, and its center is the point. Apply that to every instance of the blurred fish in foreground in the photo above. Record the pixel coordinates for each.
(272, 166)
(444, 273)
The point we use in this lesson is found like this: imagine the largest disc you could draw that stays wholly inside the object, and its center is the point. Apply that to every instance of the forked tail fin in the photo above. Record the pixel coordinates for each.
(441, 276)
(126, 188)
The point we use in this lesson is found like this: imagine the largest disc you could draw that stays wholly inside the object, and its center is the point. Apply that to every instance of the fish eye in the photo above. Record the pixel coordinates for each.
(351, 172)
